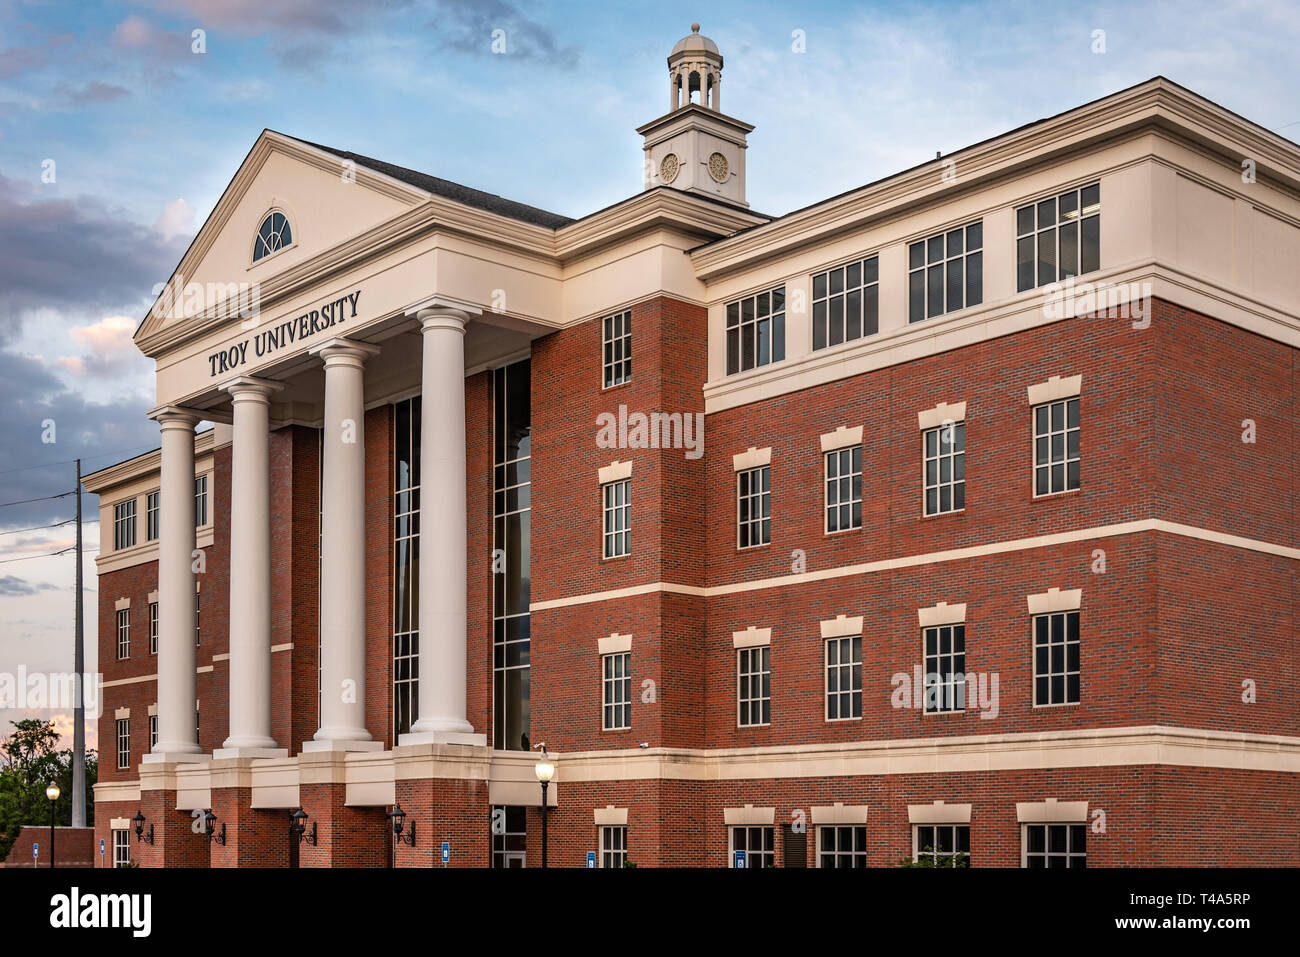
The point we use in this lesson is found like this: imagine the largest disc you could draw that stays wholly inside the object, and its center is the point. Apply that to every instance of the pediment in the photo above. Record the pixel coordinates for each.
(326, 200)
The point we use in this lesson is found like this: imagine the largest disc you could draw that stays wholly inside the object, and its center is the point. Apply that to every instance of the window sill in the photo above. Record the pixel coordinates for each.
(1046, 496)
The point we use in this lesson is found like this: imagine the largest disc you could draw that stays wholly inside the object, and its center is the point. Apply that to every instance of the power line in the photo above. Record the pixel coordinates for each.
(43, 498)
(27, 558)
(99, 455)
(38, 528)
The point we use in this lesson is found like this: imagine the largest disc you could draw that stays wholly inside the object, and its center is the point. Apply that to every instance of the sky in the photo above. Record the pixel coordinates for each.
(120, 126)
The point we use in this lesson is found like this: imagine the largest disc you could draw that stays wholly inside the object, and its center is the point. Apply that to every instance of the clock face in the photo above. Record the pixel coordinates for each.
(718, 167)
(668, 168)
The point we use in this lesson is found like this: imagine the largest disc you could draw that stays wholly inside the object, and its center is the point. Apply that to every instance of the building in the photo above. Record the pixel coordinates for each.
(952, 514)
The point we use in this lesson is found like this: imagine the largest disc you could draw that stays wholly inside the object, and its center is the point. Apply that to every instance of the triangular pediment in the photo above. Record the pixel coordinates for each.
(326, 200)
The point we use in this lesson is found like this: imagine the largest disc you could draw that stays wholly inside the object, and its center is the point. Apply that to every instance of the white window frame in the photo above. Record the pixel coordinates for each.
(841, 641)
(945, 260)
(854, 854)
(613, 845)
(153, 628)
(1066, 402)
(198, 633)
(616, 691)
(955, 629)
(855, 498)
(954, 431)
(124, 525)
(614, 538)
(760, 505)
(121, 847)
(935, 853)
(1065, 674)
(152, 511)
(200, 501)
(123, 634)
(775, 319)
(763, 653)
(153, 730)
(1037, 233)
(616, 349)
(769, 856)
(123, 730)
(828, 296)
(1070, 854)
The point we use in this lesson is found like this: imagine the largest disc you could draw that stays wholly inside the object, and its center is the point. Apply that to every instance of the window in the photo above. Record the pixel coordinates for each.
(151, 516)
(945, 668)
(200, 501)
(617, 683)
(842, 846)
(123, 633)
(124, 525)
(153, 628)
(613, 846)
(153, 731)
(945, 272)
(1056, 658)
(1056, 447)
(757, 843)
(754, 507)
(197, 632)
(121, 847)
(846, 303)
(617, 518)
(844, 489)
(618, 349)
(756, 330)
(843, 678)
(123, 743)
(945, 468)
(509, 836)
(754, 686)
(943, 845)
(273, 236)
(1056, 845)
(512, 535)
(1058, 237)
(406, 557)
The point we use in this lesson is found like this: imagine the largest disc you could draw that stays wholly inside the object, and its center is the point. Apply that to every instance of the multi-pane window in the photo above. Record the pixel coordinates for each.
(618, 349)
(1056, 446)
(153, 730)
(757, 843)
(1056, 845)
(509, 836)
(613, 846)
(1058, 237)
(1056, 658)
(945, 668)
(123, 633)
(754, 507)
(124, 524)
(943, 845)
(197, 606)
(151, 516)
(842, 846)
(846, 303)
(754, 686)
(512, 537)
(945, 468)
(406, 564)
(617, 520)
(945, 272)
(123, 743)
(756, 330)
(844, 489)
(843, 678)
(121, 847)
(153, 628)
(616, 682)
(200, 501)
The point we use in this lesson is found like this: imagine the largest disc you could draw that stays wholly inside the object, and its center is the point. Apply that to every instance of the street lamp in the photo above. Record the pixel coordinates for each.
(545, 771)
(52, 792)
(398, 817)
(138, 821)
(298, 828)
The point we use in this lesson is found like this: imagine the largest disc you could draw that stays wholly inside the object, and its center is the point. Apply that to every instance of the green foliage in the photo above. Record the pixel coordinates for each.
(29, 761)
(926, 860)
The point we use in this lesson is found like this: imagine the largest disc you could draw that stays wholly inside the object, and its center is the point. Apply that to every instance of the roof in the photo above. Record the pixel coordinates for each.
(449, 190)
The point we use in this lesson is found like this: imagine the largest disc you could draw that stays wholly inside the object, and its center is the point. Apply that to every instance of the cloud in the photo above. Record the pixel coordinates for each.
(112, 352)
(467, 26)
(93, 92)
(176, 219)
(11, 586)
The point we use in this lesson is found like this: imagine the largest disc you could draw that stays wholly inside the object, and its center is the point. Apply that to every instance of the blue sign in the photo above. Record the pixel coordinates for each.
(101, 846)
(591, 858)
(446, 851)
(36, 851)
(740, 859)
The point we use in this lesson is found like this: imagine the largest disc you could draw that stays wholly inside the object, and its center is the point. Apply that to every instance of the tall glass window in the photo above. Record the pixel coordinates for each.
(406, 565)
(511, 510)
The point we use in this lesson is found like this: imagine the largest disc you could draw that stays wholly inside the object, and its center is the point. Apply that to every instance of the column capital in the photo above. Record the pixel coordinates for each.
(176, 416)
(443, 312)
(340, 351)
(250, 387)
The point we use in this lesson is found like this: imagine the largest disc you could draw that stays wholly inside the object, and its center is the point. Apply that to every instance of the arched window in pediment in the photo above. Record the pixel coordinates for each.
(273, 235)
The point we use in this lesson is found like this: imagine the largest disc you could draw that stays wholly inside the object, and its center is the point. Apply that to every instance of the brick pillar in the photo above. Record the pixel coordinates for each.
(345, 836)
(443, 788)
(255, 837)
(174, 842)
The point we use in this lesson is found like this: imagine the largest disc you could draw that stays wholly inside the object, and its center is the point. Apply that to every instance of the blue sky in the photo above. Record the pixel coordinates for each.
(145, 133)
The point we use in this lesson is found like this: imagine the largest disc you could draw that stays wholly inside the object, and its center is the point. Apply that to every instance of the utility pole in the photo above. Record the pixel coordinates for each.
(79, 712)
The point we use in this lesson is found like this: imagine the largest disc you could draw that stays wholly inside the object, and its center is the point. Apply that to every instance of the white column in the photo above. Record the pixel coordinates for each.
(177, 735)
(443, 532)
(250, 572)
(343, 552)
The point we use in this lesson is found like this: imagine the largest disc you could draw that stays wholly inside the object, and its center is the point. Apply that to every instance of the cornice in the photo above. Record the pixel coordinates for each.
(121, 472)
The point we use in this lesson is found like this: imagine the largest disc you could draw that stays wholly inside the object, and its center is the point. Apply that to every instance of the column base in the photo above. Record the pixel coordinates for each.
(340, 745)
(174, 757)
(442, 737)
(222, 753)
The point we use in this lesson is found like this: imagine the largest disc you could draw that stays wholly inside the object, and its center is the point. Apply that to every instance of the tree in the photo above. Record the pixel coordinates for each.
(29, 761)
